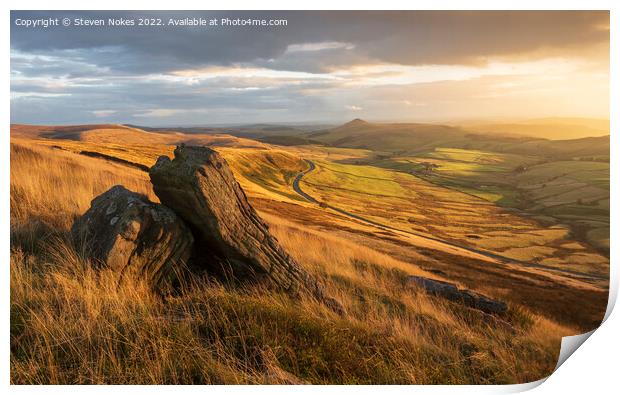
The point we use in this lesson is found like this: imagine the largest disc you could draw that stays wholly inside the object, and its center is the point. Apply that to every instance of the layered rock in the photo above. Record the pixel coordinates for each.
(126, 232)
(201, 188)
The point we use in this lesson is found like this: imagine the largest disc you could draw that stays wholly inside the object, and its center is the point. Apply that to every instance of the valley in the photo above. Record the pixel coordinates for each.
(436, 205)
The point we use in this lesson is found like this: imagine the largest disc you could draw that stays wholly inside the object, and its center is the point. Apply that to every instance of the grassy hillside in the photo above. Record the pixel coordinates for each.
(121, 136)
(55, 131)
(46, 182)
(410, 203)
(570, 192)
(71, 324)
(262, 172)
(267, 174)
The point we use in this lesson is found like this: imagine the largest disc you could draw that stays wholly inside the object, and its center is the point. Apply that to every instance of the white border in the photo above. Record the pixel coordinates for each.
(594, 366)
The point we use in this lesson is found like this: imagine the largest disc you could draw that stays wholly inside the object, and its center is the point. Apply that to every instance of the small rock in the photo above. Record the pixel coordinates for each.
(451, 292)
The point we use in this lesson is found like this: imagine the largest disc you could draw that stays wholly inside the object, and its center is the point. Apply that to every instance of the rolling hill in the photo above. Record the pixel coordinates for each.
(389, 137)
(418, 137)
(121, 134)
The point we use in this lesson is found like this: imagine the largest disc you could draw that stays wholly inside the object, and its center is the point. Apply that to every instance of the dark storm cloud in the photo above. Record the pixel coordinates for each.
(415, 37)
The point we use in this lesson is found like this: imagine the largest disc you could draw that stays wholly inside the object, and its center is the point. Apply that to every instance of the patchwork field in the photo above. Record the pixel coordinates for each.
(412, 204)
(572, 193)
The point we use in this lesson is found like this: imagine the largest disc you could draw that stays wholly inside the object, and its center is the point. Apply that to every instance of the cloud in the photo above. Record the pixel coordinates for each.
(311, 69)
(400, 37)
(103, 113)
(313, 47)
(160, 113)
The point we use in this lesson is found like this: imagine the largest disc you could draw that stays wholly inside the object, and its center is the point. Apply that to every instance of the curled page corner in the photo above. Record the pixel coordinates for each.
(570, 344)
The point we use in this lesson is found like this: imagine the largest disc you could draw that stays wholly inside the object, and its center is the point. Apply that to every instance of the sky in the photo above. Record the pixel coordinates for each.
(329, 66)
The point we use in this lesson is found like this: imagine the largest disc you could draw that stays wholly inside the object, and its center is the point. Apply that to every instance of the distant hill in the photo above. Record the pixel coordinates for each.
(408, 138)
(123, 134)
(267, 133)
(255, 131)
(391, 137)
(552, 149)
(70, 132)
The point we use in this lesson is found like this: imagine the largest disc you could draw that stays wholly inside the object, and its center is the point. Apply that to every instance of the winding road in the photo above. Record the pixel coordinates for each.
(480, 254)
(311, 167)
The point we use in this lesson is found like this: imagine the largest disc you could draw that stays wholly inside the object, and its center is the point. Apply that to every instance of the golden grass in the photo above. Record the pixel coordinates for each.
(264, 173)
(72, 324)
(45, 183)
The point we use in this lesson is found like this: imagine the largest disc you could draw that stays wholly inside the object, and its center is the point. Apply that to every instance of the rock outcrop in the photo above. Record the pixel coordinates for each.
(230, 235)
(123, 230)
(451, 292)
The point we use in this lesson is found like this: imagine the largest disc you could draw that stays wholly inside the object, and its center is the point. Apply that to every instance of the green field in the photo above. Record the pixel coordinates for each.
(569, 192)
(414, 204)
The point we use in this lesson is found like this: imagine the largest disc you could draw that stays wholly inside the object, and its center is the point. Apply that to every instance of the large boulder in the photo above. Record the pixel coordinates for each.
(126, 232)
(201, 188)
